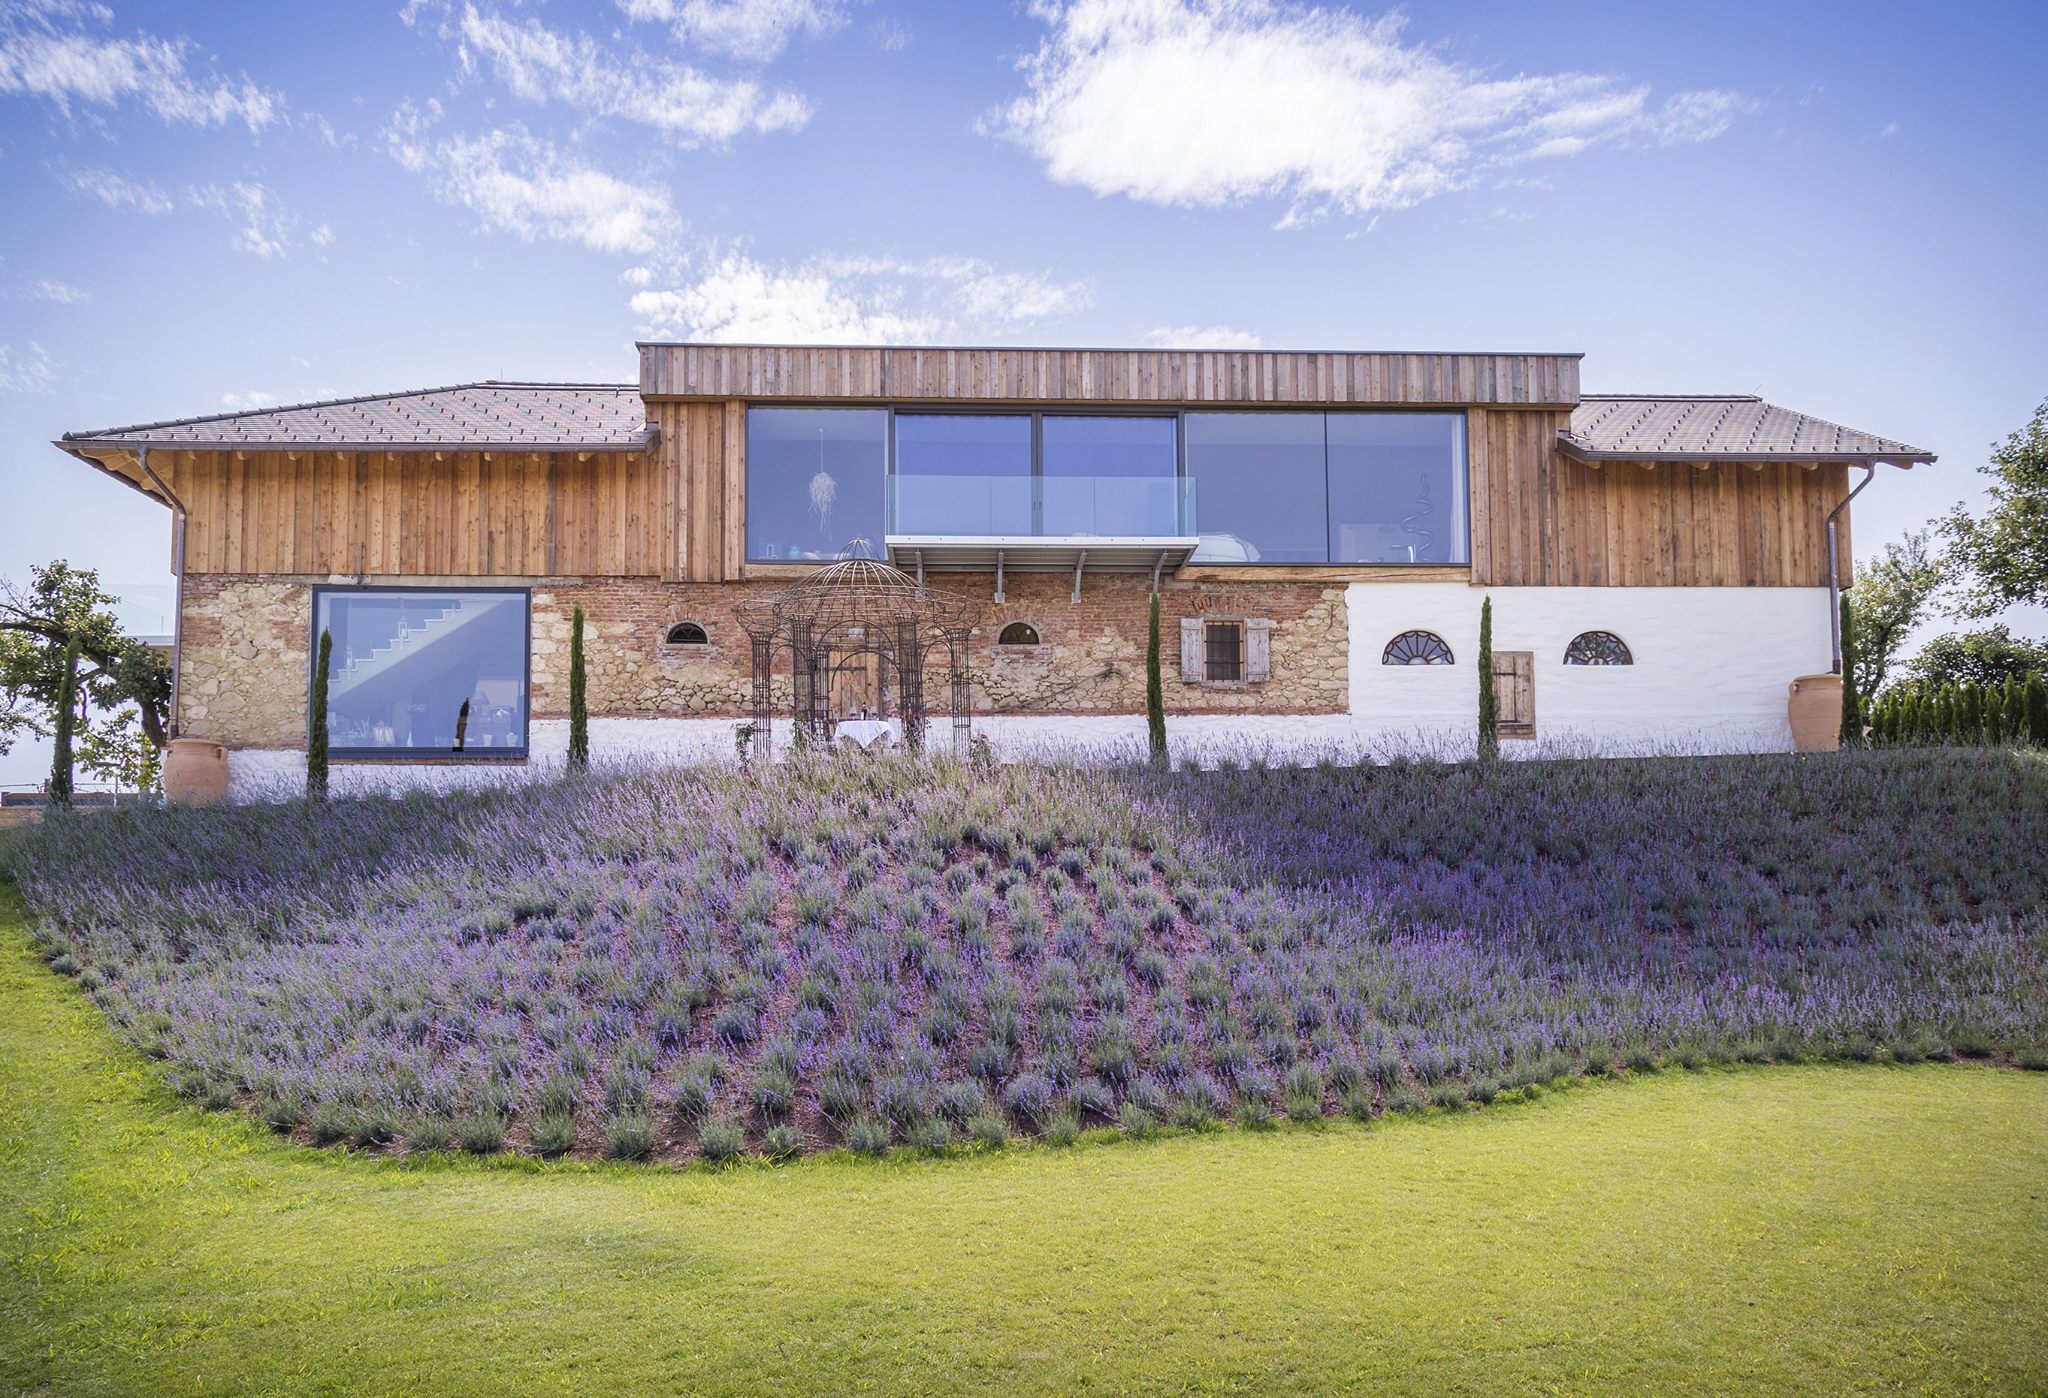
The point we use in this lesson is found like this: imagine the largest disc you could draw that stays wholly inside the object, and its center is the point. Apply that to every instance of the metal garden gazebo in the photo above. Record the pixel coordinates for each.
(860, 616)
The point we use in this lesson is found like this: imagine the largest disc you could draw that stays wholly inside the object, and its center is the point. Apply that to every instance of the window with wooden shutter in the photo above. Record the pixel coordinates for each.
(1258, 650)
(1223, 651)
(1514, 688)
(1194, 665)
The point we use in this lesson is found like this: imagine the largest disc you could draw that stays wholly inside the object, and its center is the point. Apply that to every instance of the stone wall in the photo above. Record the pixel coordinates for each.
(246, 651)
(1091, 656)
(245, 661)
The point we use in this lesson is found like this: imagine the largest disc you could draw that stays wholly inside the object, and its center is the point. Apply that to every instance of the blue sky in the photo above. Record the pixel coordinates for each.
(211, 206)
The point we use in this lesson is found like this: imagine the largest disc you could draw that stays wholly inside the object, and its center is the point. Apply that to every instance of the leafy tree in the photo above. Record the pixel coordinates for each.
(2004, 555)
(1155, 691)
(316, 734)
(123, 690)
(1987, 656)
(66, 717)
(1891, 596)
(579, 709)
(2037, 710)
(1489, 701)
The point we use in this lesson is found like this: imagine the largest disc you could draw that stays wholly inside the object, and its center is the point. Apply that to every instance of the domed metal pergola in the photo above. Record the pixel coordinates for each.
(866, 618)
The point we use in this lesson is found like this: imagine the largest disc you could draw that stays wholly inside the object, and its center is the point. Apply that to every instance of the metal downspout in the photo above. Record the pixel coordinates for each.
(1835, 572)
(178, 570)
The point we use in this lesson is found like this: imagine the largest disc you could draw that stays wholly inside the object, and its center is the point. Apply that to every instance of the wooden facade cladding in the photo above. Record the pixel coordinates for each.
(422, 513)
(1188, 377)
(702, 452)
(1540, 518)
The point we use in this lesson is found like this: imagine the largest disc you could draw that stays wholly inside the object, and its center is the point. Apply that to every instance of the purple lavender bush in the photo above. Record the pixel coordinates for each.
(710, 962)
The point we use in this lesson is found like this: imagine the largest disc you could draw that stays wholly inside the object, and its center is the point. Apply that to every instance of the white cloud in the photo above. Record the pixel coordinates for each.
(852, 300)
(540, 65)
(1891, 128)
(26, 370)
(321, 236)
(60, 51)
(1203, 337)
(753, 30)
(60, 293)
(252, 401)
(264, 227)
(1201, 103)
(889, 35)
(521, 185)
(118, 191)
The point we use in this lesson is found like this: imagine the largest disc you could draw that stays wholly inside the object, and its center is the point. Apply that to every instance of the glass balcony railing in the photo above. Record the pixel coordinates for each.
(1048, 507)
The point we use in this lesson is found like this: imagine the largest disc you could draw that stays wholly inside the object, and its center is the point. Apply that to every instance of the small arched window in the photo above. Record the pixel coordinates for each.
(1018, 633)
(688, 633)
(1598, 648)
(1416, 648)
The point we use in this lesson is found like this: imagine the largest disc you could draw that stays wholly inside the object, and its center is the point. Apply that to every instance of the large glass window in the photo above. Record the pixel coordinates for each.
(1116, 476)
(966, 473)
(814, 481)
(1256, 484)
(1397, 488)
(425, 672)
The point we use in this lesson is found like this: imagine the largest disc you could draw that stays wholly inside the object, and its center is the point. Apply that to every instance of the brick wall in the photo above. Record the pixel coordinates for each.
(246, 650)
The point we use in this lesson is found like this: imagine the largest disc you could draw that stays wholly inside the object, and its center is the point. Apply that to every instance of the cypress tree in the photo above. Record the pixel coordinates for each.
(2015, 709)
(579, 712)
(1852, 702)
(316, 731)
(1155, 690)
(64, 723)
(2037, 710)
(1973, 713)
(1948, 721)
(1489, 702)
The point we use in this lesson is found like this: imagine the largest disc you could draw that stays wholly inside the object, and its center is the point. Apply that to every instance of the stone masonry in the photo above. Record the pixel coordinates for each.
(246, 650)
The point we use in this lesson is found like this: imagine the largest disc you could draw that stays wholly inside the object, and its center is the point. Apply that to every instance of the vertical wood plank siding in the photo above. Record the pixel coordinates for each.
(416, 513)
(1540, 518)
(1107, 376)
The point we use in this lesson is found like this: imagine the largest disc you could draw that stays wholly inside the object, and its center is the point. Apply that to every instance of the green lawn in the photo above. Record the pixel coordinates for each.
(1818, 1228)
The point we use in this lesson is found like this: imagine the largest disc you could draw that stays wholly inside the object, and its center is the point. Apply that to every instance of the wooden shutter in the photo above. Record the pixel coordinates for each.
(1514, 688)
(1194, 655)
(1258, 649)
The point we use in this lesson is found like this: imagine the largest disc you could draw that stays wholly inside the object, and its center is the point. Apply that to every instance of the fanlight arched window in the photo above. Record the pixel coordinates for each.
(1416, 648)
(1018, 633)
(688, 633)
(1598, 648)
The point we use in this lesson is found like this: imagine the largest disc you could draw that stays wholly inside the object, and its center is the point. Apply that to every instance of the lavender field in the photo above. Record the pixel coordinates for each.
(874, 953)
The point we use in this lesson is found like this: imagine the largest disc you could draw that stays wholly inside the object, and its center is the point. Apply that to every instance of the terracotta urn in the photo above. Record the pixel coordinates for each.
(1815, 709)
(195, 771)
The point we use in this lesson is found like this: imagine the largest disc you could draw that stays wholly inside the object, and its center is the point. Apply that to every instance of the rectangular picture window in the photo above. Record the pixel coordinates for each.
(814, 482)
(425, 672)
(1115, 477)
(962, 473)
(1256, 487)
(1397, 488)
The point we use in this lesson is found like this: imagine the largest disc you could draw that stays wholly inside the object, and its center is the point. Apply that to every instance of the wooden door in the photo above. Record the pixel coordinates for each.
(1514, 689)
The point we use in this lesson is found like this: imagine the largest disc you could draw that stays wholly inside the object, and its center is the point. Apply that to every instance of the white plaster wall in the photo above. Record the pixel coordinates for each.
(1712, 664)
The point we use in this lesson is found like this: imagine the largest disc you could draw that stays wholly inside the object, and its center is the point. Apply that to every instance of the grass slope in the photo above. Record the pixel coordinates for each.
(1785, 1228)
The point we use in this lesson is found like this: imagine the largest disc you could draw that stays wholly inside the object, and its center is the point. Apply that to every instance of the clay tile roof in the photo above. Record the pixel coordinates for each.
(1731, 427)
(513, 416)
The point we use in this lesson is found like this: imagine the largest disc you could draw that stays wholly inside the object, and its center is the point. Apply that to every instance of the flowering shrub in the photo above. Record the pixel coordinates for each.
(874, 952)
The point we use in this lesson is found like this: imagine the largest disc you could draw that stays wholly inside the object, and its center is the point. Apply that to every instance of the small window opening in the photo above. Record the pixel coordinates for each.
(1018, 633)
(1225, 650)
(1598, 648)
(688, 633)
(1416, 648)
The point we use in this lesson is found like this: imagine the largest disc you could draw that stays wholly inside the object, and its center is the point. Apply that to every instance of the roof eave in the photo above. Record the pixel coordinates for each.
(1578, 451)
(76, 445)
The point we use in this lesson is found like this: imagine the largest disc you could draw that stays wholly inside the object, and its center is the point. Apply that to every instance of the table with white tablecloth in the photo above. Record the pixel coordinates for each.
(867, 732)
